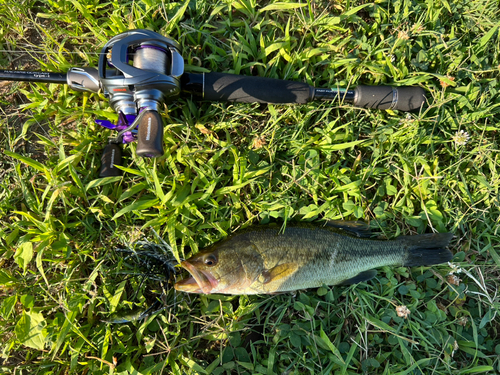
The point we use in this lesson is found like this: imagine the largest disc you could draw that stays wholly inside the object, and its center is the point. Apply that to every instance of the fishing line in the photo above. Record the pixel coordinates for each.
(49, 52)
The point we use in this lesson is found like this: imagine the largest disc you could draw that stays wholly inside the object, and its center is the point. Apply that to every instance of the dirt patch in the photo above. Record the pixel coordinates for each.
(13, 117)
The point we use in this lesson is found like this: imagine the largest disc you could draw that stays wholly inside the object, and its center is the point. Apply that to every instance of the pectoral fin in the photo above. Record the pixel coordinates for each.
(360, 277)
(278, 272)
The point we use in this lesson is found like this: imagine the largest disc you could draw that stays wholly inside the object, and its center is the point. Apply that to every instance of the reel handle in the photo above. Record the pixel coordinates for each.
(111, 157)
(150, 135)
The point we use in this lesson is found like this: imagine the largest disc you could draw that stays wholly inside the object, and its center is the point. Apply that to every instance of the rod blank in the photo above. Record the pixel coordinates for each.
(28, 76)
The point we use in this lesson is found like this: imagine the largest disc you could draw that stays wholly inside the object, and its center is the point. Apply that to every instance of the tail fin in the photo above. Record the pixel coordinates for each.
(427, 249)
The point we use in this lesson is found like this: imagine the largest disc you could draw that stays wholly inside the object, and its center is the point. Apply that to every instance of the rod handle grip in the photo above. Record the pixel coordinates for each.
(405, 98)
(150, 135)
(111, 157)
(248, 89)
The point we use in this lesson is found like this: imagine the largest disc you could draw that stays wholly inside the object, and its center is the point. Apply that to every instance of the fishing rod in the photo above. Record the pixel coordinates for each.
(139, 70)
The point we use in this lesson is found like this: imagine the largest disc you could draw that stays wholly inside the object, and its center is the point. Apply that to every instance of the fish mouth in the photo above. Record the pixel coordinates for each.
(199, 282)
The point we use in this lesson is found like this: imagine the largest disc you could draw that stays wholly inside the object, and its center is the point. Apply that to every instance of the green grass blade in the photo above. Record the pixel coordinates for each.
(139, 205)
(28, 161)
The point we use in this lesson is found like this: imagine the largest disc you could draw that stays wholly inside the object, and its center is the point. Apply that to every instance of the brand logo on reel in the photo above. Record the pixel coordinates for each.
(148, 134)
(112, 163)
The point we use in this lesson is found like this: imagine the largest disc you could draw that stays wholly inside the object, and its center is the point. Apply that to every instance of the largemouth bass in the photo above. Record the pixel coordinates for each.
(261, 260)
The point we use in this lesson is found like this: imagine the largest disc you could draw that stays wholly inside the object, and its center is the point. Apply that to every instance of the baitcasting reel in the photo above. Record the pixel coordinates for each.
(139, 70)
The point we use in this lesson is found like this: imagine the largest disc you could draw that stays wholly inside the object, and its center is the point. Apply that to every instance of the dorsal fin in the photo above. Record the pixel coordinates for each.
(357, 228)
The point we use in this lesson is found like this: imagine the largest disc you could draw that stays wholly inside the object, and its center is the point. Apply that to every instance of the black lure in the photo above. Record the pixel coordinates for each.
(150, 261)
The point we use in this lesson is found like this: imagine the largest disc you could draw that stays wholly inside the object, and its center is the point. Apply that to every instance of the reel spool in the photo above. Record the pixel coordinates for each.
(139, 70)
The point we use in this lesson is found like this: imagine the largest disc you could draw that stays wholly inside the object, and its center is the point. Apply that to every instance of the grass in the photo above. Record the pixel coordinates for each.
(229, 165)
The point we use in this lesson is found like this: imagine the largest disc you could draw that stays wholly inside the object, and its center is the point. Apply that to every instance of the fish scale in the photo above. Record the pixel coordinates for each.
(326, 257)
(263, 259)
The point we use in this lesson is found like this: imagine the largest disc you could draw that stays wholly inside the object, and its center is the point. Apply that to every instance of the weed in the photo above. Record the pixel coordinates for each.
(229, 165)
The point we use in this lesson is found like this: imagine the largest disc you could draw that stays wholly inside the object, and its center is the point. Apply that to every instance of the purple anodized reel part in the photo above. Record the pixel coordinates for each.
(124, 121)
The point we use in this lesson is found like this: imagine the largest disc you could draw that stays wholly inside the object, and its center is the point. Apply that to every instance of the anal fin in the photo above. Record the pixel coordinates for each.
(360, 277)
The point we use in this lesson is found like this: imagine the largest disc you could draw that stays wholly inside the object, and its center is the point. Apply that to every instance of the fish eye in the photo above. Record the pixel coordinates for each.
(210, 260)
